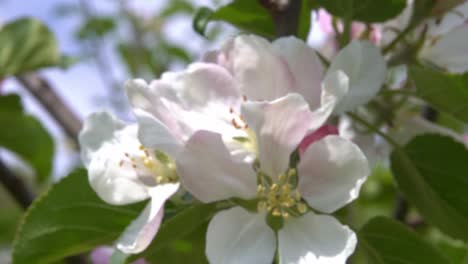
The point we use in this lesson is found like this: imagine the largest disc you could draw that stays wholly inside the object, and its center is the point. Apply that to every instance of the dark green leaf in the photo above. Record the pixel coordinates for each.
(178, 227)
(26, 45)
(389, 242)
(246, 15)
(305, 18)
(368, 11)
(69, 219)
(431, 171)
(446, 92)
(187, 249)
(10, 103)
(201, 19)
(26, 136)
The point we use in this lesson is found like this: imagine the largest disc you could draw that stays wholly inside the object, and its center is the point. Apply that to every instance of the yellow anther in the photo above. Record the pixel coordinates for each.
(274, 187)
(286, 188)
(285, 215)
(302, 208)
(260, 190)
(160, 179)
(276, 212)
(141, 147)
(291, 172)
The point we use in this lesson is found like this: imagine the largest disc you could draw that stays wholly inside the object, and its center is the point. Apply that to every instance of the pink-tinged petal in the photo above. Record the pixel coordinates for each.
(181, 100)
(450, 51)
(208, 171)
(280, 126)
(316, 136)
(325, 22)
(331, 173)
(315, 239)
(103, 254)
(139, 234)
(260, 72)
(366, 69)
(104, 142)
(304, 65)
(237, 236)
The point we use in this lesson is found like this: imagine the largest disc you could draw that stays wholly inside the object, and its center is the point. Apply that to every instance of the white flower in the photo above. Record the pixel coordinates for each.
(208, 95)
(328, 175)
(122, 171)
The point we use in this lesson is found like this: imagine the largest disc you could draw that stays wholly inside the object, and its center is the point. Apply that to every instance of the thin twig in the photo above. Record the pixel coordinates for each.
(46, 95)
(15, 186)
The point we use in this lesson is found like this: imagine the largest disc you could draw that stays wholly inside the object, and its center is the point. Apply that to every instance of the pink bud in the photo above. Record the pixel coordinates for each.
(318, 134)
(102, 255)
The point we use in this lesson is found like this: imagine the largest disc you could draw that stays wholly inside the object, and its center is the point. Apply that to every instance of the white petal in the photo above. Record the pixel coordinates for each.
(334, 88)
(98, 128)
(450, 51)
(452, 19)
(139, 234)
(315, 239)
(104, 141)
(208, 171)
(261, 73)
(156, 135)
(304, 65)
(365, 67)
(280, 126)
(331, 173)
(200, 96)
(237, 236)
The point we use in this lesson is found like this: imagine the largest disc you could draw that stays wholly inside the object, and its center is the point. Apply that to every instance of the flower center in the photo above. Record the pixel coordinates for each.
(280, 198)
(156, 166)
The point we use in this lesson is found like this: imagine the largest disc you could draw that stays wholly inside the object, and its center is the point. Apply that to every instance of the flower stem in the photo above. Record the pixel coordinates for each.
(373, 128)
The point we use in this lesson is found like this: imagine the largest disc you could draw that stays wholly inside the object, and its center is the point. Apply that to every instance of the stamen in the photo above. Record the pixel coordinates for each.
(280, 198)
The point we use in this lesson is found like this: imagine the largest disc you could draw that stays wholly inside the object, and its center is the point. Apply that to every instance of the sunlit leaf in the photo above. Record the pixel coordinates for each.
(26, 45)
(67, 220)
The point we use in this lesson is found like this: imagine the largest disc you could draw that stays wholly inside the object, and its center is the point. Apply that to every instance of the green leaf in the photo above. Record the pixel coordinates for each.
(446, 92)
(431, 171)
(246, 15)
(26, 45)
(368, 11)
(25, 135)
(67, 220)
(305, 18)
(10, 103)
(96, 27)
(177, 227)
(389, 242)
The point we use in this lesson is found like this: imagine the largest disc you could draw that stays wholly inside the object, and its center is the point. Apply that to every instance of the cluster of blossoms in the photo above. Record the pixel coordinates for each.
(249, 123)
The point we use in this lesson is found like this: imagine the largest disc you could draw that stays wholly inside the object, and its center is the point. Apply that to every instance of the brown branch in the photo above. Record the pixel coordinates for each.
(286, 18)
(15, 186)
(45, 94)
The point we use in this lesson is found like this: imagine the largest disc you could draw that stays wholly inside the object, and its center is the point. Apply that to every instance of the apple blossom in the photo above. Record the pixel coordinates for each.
(122, 171)
(208, 95)
(328, 176)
